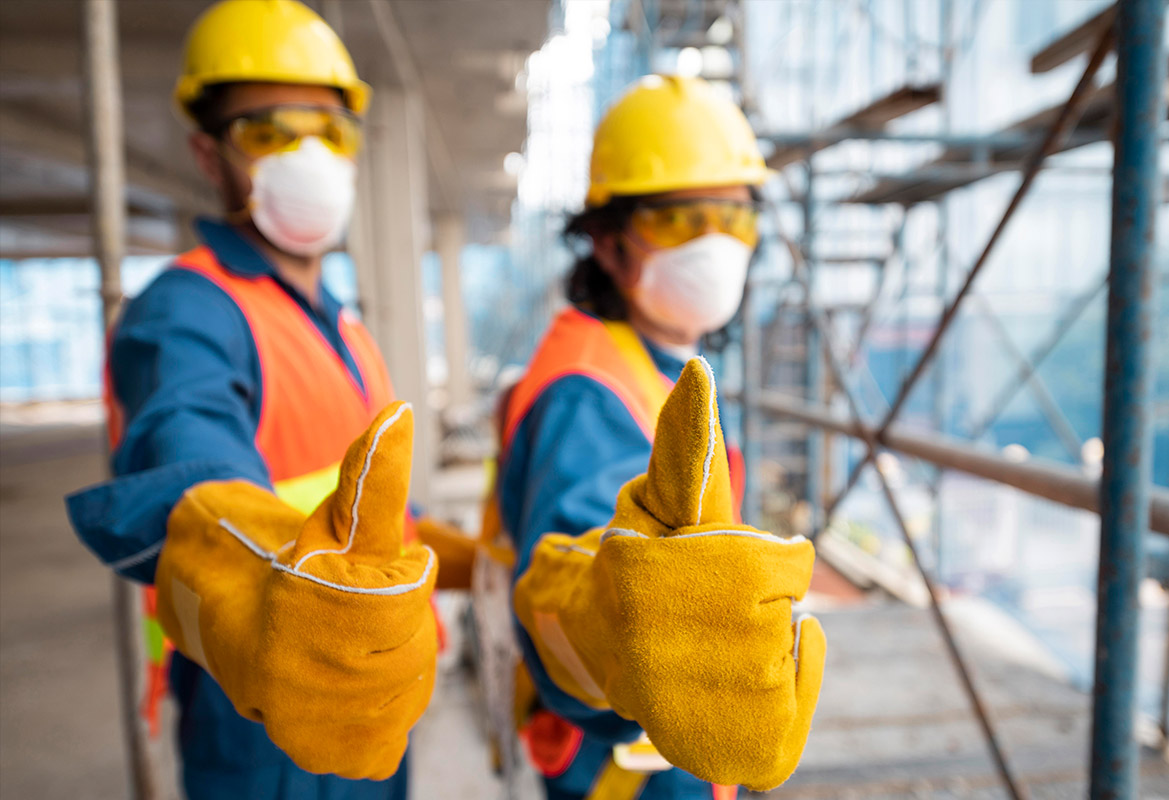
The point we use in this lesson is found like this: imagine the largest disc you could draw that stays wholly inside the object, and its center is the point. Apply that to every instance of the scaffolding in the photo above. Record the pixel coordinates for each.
(1024, 146)
(798, 375)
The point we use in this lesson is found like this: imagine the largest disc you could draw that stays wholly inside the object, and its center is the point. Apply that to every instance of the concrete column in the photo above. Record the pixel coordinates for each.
(185, 236)
(359, 243)
(398, 233)
(448, 241)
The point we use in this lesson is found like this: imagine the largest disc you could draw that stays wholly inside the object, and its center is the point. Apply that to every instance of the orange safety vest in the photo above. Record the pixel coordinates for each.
(611, 353)
(608, 352)
(311, 408)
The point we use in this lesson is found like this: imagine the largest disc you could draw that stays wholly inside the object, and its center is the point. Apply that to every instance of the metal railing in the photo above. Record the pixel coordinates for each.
(1049, 480)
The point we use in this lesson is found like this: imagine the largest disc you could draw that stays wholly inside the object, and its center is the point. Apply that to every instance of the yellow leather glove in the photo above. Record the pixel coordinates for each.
(679, 619)
(455, 550)
(318, 627)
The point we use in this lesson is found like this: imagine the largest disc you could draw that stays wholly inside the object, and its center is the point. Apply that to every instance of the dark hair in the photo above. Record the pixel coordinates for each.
(588, 285)
(207, 108)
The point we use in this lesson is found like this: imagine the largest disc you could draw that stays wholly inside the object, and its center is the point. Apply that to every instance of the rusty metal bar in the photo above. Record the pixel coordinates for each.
(1015, 789)
(103, 93)
(1051, 481)
(1126, 484)
(1055, 135)
(821, 327)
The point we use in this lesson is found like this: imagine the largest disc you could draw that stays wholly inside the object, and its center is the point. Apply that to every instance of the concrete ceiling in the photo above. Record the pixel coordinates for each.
(461, 56)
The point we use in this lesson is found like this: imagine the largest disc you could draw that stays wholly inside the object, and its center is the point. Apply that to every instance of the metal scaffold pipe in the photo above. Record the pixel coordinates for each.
(1126, 483)
(1055, 482)
(103, 93)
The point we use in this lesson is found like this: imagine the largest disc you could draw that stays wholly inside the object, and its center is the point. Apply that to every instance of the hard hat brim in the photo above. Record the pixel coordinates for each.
(189, 89)
(600, 194)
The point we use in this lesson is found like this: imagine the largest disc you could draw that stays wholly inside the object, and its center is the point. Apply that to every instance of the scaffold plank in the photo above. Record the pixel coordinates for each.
(874, 116)
(936, 178)
(1076, 41)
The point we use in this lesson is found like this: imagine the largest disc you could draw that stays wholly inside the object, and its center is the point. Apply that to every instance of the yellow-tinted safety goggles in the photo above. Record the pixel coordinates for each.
(675, 223)
(270, 130)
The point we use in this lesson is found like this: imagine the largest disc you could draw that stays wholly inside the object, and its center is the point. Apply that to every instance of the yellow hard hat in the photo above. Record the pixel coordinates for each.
(276, 41)
(669, 133)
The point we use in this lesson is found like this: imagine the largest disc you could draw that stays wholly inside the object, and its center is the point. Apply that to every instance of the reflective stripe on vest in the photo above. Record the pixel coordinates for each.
(305, 492)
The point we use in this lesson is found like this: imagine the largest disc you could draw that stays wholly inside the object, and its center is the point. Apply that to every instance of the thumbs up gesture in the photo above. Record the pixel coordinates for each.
(678, 618)
(318, 627)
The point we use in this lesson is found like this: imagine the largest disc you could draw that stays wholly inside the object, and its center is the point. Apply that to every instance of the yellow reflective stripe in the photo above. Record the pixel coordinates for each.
(639, 756)
(615, 783)
(305, 492)
(646, 373)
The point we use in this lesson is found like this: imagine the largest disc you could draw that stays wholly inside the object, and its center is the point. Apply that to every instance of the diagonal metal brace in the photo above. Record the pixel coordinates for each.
(1012, 387)
(1055, 136)
(1016, 790)
(1058, 421)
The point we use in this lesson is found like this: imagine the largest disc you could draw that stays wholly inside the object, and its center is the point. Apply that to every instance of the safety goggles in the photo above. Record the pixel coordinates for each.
(669, 224)
(271, 130)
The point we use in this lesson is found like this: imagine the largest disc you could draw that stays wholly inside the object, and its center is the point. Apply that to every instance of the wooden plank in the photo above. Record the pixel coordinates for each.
(1078, 40)
(892, 106)
(874, 116)
(922, 186)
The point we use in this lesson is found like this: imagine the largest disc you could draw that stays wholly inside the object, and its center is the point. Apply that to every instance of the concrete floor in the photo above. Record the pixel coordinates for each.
(892, 721)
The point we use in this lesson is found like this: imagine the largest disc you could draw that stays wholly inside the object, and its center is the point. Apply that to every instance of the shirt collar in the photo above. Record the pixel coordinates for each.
(232, 249)
(669, 364)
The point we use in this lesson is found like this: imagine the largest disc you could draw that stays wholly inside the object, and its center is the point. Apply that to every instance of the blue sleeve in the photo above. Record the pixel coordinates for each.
(185, 370)
(570, 456)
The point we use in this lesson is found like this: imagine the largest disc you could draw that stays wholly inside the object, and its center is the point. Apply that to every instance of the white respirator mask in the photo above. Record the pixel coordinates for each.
(302, 199)
(696, 286)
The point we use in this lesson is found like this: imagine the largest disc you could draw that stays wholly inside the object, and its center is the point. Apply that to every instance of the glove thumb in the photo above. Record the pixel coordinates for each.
(365, 515)
(809, 648)
(688, 481)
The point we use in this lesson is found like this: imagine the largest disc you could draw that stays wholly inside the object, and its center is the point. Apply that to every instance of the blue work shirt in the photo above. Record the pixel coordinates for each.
(574, 450)
(185, 370)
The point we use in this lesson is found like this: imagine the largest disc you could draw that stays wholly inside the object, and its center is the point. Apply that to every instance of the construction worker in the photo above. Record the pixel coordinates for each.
(643, 605)
(262, 465)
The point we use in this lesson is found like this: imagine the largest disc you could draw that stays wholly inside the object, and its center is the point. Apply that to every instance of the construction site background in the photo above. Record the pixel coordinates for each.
(900, 131)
